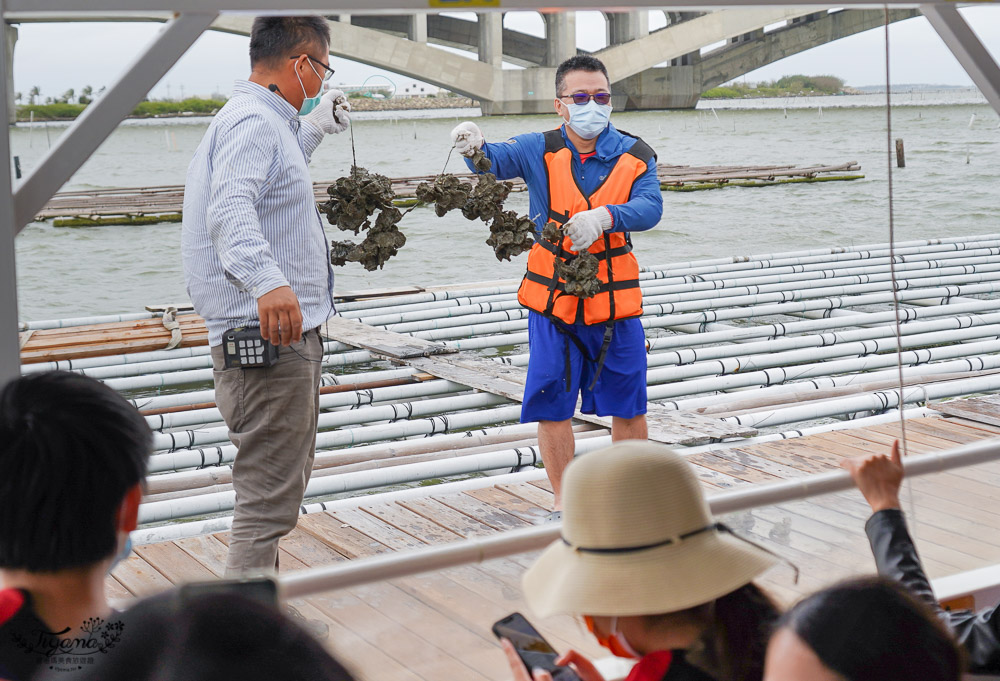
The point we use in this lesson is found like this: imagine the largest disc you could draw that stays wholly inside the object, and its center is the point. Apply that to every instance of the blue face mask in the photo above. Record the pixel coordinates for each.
(309, 103)
(589, 120)
(123, 554)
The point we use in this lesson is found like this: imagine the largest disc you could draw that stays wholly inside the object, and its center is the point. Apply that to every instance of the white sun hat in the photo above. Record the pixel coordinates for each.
(637, 539)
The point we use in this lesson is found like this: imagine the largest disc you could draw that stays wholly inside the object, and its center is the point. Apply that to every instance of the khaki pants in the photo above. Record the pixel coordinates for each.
(271, 414)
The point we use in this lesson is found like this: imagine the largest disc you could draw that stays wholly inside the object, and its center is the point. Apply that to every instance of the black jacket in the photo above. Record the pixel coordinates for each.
(896, 557)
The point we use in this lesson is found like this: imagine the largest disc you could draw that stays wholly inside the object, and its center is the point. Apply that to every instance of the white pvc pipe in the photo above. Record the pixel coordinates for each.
(878, 401)
(781, 374)
(217, 502)
(211, 456)
(173, 440)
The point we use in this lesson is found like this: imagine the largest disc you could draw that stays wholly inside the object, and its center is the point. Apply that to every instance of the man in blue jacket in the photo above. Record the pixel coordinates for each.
(596, 184)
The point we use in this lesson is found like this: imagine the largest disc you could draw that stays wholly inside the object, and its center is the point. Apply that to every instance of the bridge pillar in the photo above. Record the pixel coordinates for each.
(560, 33)
(491, 38)
(417, 29)
(11, 32)
(624, 27)
(665, 87)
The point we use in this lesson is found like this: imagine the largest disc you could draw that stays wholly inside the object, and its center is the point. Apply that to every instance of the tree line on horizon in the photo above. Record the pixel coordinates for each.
(787, 86)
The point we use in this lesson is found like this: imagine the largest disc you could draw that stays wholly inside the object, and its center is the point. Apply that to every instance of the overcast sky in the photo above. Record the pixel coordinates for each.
(56, 57)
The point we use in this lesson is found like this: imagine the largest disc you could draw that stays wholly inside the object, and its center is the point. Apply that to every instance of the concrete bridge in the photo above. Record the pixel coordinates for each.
(662, 69)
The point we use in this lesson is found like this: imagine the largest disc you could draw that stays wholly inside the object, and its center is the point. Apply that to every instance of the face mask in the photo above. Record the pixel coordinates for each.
(123, 554)
(309, 103)
(616, 642)
(590, 120)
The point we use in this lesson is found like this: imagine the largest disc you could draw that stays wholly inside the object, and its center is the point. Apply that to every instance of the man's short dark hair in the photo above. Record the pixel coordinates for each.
(275, 38)
(70, 449)
(581, 62)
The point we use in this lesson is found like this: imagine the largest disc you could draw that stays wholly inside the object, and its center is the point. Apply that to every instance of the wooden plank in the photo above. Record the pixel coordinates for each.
(339, 536)
(174, 563)
(529, 493)
(139, 577)
(114, 591)
(731, 467)
(208, 551)
(379, 341)
(381, 532)
(356, 625)
(447, 517)
(516, 506)
(981, 409)
(411, 523)
(482, 512)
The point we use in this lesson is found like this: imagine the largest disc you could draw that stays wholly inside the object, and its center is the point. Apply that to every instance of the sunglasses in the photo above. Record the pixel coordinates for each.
(329, 72)
(582, 97)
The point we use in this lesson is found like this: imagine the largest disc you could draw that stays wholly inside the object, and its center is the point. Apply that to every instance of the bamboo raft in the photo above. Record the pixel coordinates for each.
(761, 368)
(147, 205)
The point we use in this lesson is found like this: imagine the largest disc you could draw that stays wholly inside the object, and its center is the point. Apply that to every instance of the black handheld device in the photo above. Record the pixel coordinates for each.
(244, 348)
(534, 651)
(264, 590)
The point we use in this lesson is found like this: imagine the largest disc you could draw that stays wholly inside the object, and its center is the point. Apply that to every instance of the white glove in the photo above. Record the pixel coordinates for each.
(332, 114)
(467, 137)
(583, 229)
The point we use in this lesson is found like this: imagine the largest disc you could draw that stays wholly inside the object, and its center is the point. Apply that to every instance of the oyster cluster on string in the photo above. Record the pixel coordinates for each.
(510, 234)
(579, 272)
(353, 201)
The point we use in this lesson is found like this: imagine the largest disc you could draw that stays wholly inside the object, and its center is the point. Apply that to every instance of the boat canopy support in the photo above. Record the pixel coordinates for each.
(193, 17)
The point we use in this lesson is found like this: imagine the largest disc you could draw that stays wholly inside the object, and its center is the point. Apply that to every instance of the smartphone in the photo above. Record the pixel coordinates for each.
(534, 651)
(261, 589)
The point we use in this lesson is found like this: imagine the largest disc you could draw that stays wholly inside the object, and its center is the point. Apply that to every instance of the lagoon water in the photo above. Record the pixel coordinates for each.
(950, 187)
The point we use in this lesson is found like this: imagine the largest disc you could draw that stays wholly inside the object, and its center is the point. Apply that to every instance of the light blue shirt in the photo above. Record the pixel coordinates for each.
(250, 218)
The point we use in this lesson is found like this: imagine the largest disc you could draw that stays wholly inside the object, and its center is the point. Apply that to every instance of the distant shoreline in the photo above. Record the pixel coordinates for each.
(357, 104)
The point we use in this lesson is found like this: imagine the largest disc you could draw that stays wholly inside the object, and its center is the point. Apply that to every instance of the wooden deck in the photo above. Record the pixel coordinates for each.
(437, 626)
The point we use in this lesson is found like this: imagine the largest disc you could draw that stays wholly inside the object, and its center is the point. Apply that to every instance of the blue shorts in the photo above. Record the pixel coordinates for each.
(621, 386)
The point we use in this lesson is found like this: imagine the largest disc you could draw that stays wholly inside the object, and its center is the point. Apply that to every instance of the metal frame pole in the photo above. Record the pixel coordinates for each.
(101, 118)
(10, 362)
(967, 48)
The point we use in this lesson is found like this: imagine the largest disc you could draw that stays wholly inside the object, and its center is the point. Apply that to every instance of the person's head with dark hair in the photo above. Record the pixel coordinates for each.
(213, 637)
(72, 465)
(868, 629)
(583, 99)
(581, 62)
(73, 454)
(291, 56)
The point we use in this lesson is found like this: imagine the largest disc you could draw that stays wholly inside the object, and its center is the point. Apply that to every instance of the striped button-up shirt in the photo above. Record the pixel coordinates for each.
(250, 219)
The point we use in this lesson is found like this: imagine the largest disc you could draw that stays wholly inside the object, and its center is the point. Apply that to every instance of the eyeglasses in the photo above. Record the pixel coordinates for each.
(582, 97)
(329, 72)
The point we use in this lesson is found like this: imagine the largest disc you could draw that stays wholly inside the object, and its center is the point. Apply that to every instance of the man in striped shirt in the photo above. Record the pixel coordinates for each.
(255, 255)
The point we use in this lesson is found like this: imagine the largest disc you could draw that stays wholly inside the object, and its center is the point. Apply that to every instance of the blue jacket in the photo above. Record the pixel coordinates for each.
(523, 156)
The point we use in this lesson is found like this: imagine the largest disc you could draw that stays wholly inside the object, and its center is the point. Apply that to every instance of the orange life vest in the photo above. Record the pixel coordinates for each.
(620, 296)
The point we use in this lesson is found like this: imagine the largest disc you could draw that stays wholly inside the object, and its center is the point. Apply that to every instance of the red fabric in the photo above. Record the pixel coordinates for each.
(11, 601)
(652, 667)
(584, 157)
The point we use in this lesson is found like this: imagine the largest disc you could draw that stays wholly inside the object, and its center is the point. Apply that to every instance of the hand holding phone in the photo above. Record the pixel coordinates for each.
(533, 650)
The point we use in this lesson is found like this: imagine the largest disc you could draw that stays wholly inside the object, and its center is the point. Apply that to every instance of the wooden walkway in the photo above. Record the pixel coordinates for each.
(436, 627)
(129, 203)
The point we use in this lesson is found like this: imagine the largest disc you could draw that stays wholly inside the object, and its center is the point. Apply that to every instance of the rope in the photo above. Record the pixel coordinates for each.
(171, 324)
(892, 271)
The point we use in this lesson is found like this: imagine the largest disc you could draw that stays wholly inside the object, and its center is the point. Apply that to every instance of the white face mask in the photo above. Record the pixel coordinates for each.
(588, 120)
